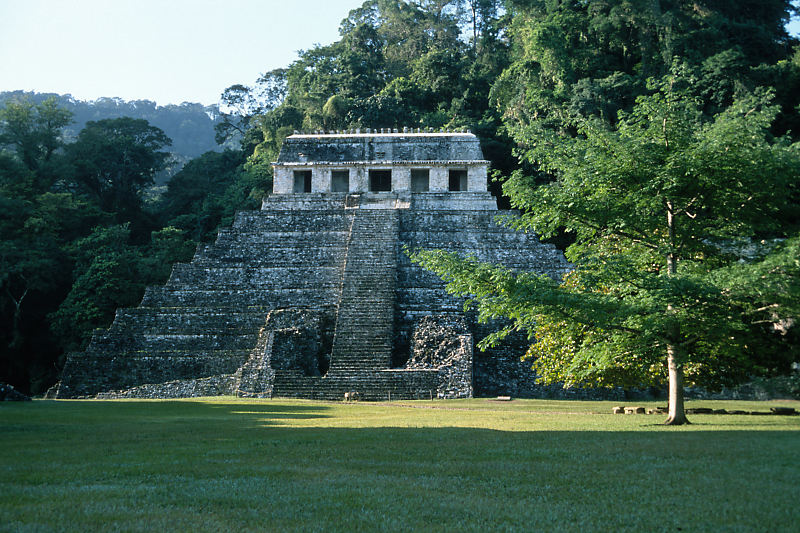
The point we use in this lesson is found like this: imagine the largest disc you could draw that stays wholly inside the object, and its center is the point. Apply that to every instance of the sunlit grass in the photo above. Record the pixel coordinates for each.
(476, 465)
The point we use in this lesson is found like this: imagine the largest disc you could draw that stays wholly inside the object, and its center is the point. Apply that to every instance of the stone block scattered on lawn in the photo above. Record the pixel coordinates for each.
(634, 410)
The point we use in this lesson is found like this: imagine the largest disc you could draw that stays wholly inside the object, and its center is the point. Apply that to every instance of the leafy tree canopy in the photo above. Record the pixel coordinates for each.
(675, 218)
(189, 125)
(33, 132)
(114, 160)
(577, 59)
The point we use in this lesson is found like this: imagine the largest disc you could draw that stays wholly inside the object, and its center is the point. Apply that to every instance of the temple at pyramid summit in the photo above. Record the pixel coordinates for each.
(313, 295)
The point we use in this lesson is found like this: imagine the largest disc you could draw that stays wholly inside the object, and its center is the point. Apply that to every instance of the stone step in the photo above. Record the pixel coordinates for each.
(231, 297)
(370, 385)
(166, 355)
(255, 276)
(130, 341)
(145, 320)
(332, 256)
(307, 219)
(242, 240)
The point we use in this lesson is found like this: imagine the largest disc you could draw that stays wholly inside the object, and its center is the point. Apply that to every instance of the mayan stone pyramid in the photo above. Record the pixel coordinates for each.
(313, 295)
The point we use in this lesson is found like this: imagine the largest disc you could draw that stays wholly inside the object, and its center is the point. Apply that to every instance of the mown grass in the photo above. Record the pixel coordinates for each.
(474, 465)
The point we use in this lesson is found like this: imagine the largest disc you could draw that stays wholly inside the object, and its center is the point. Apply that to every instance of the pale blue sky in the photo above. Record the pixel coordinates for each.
(169, 51)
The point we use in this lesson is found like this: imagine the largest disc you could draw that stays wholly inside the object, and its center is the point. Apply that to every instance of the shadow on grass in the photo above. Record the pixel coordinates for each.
(165, 411)
(272, 411)
(278, 411)
(242, 463)
(710, 424)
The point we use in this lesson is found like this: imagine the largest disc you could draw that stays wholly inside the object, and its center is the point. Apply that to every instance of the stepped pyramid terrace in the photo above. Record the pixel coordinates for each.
(313, 296)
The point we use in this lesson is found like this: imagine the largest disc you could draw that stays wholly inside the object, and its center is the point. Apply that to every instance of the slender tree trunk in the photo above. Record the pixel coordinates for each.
(677, 414)
(16, 336)
(474, 25)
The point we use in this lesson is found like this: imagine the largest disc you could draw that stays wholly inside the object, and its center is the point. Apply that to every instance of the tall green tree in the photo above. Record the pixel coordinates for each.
(571, 60)
(240, 104)
(35, 223)
(33, 131)
(665, 208)
(105, 278)
(206, 194)
(114, 160)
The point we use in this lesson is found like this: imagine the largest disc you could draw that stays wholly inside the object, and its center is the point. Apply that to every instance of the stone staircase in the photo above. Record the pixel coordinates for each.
(365, 317)
(364, 333)
(379, 385)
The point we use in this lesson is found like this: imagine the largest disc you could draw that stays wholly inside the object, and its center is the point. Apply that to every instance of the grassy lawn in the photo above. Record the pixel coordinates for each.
(228, 464)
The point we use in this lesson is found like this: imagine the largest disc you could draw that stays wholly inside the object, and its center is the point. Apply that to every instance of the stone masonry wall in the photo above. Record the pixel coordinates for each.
(444, 343)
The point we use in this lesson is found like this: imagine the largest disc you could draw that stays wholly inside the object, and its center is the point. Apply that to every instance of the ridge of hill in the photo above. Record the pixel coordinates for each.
(189, 125)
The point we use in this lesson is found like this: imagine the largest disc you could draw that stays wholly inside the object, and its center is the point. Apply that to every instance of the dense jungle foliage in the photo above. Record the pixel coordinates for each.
(83, 230)
(189, 125)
